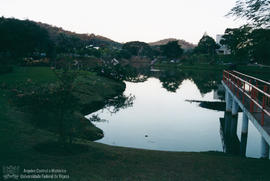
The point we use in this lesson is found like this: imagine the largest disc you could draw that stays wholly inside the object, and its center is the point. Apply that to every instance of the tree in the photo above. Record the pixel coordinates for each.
(171, 50)
(257, 12)
(23, 38)
(137, 48)
(260, 49)
(246, 44)
(206, 45)
(51, 106)
(238, 41)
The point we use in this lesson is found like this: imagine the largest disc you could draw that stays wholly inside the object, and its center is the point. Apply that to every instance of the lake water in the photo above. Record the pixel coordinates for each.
(161, 119)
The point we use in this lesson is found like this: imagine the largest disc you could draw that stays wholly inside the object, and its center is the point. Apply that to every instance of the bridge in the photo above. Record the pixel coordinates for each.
(252, 95)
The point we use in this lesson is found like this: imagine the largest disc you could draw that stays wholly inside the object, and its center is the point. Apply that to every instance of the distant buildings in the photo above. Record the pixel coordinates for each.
(223, 50)
(92, 46)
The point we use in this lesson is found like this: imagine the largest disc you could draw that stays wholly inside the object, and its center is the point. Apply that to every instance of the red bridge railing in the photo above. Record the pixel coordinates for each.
(250, 90)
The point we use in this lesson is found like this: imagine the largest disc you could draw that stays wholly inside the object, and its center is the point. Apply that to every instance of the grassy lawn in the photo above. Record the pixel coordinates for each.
(22, 74)
(18, 139)
(89, 87)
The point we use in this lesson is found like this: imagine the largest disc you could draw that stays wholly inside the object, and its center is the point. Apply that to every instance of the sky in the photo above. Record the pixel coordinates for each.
(129, 20)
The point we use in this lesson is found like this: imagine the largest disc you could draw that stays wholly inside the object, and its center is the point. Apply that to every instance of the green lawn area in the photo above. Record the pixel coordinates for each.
(18, 139)
(22, 74)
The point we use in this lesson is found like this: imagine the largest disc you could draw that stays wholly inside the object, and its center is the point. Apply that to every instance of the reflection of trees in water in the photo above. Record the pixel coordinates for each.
(206, 81)
(119, 102)
(114, 105)
(133, 74)
(171, 80)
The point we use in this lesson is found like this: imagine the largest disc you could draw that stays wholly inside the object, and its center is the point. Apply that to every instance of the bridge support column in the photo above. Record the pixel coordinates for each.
(228, 101)
(264, 148)
(234, 121)
(244, 134)
(245, 124)
(227, 122)
(235, 108)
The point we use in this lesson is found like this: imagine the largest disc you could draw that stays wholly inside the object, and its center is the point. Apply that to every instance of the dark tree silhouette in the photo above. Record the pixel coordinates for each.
(206, 45)
(22, 38)
(257, 12)
(172, 49)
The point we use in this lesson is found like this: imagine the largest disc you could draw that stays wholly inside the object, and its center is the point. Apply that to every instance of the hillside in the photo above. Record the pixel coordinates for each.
(24, 38)
(96, 40)
(184, 44)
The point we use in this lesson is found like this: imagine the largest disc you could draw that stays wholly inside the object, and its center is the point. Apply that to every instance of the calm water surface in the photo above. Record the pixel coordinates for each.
(164, 120)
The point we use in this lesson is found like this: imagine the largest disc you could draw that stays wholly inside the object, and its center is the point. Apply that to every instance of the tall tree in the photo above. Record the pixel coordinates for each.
(260, 41)
(172, 49)
(137, 48)
(246, 44)
(22, 38)
(206, 45)
(257, 12)
(236, 38)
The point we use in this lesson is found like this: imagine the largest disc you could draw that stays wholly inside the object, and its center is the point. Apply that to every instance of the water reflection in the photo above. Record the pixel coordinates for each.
(171, 79)
(228, 128)
(161, 119)
(114, 105)
(228, 132)
(169, 122)
(119, 102)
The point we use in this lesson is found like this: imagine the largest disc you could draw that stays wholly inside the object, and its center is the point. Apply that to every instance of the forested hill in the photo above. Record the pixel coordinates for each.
(185, 45)
(24, 37)
(93, 39)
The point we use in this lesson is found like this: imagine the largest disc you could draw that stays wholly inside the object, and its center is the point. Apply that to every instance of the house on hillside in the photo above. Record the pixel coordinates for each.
(223, 50)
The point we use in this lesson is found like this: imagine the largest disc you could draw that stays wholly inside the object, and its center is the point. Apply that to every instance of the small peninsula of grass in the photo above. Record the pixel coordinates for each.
(90, 90)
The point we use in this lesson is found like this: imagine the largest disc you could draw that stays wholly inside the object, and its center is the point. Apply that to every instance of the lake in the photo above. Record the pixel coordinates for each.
(161, 118)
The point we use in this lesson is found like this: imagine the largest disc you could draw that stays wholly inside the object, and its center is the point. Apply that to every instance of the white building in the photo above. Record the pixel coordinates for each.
(223, 48)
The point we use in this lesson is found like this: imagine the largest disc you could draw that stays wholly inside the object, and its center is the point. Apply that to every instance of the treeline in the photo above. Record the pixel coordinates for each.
(248, 44)
(24, 38)
(171, 50)
(23, 41)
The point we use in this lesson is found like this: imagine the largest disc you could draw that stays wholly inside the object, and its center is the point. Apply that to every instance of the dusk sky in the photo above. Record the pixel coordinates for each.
(126, 20)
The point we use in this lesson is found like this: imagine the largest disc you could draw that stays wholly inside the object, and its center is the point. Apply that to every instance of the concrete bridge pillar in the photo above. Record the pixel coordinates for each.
(228, 101)
(234, 117)
(245, 124)
(227, 119)
(235, 107)
(234, 120)
(244, 134)
(264, 148)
